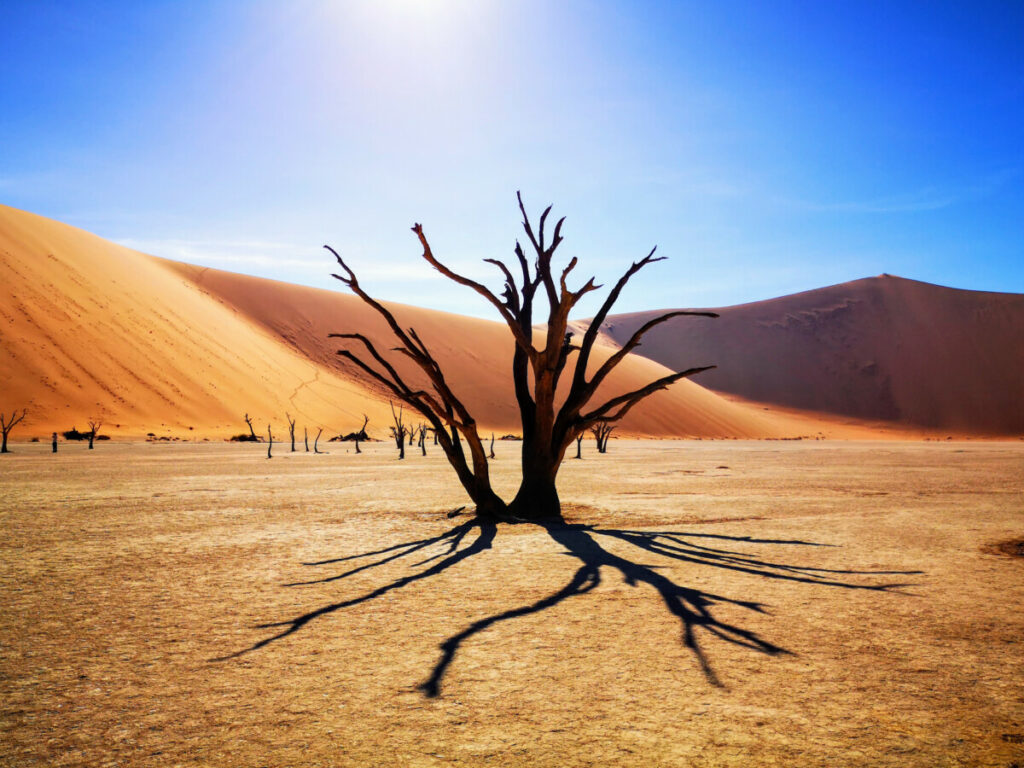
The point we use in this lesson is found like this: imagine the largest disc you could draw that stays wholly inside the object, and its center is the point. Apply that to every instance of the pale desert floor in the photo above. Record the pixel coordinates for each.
(843, 606)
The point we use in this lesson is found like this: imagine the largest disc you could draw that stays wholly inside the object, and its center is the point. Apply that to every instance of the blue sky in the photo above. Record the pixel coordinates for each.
(765, 147)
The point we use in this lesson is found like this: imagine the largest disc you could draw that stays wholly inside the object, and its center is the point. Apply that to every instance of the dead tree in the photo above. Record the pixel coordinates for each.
(305, 438)
(398, 430)
(270, 442)
(7, 423)
(361, 434)
(94, 429)
(536, 370)
(601, 432)
(421, 437)
(252, 432)
(316, 442)
(491, 454)
(291, 428)
(579, 443)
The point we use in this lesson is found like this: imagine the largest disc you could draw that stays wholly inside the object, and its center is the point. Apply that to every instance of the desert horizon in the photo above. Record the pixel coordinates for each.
(221, 336)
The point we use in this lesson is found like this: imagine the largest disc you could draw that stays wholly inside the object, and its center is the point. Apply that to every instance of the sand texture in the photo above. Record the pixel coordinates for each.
(841, 613)
(882, 348)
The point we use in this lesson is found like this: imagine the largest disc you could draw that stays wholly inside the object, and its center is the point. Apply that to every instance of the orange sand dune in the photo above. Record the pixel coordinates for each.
(91, 328)
(882, 348)
(94, 329)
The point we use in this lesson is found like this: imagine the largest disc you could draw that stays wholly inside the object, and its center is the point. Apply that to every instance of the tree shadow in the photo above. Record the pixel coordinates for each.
(449, 555)
(693, 608)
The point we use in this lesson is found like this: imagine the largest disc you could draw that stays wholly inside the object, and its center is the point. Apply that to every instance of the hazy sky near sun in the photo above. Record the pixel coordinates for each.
(765, 147)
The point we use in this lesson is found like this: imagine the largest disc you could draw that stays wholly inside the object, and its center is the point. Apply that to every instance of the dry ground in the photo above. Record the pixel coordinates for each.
(135, 578)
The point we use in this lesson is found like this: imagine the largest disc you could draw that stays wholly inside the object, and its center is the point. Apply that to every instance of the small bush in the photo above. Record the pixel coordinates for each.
(351, 437)
(243, 439)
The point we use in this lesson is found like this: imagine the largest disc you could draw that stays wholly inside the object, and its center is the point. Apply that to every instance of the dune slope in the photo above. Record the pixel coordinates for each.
(91, 328)
(94, 329)
(882, 348)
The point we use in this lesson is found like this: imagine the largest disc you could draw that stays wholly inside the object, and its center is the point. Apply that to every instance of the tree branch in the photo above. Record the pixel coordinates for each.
(483, 290)
(633, 343)
(579, 376)
(628, 400)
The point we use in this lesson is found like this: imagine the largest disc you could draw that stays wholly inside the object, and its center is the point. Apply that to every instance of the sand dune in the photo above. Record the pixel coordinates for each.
(95, 329)
(881, 348)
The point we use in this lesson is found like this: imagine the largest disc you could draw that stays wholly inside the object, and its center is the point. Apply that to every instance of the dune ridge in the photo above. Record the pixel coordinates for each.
(882, 348)
(91, 328)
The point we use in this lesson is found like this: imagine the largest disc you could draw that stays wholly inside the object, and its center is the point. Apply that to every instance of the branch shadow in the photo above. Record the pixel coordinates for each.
(694, 608)
(449, 556)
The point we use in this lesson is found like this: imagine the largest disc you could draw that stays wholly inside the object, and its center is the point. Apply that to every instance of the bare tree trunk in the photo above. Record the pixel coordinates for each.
(94, 428)
(8, 423)
(270, 442)
(491, 454)
(537, 498)
(252, 431)
(54, 438)
(305, 438)
(601, 431)
(398, 431)
(316, 442)
(362, 431)
(579, 443)
(291, 429)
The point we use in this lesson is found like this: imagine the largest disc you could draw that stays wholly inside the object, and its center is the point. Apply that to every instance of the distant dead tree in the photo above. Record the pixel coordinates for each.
(291, 428)
(94, 430)
(547, 430)
(270, 442)
(361, 434)
(316, 442)
(252, 432)
(398, 430)
(491, 454)
(579, 443)
(305, 438)
(421, 437)
(7, 423)
(601, 432)
(54, 442)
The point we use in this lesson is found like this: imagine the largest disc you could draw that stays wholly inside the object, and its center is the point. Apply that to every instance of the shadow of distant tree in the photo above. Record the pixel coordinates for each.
(692, 607)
